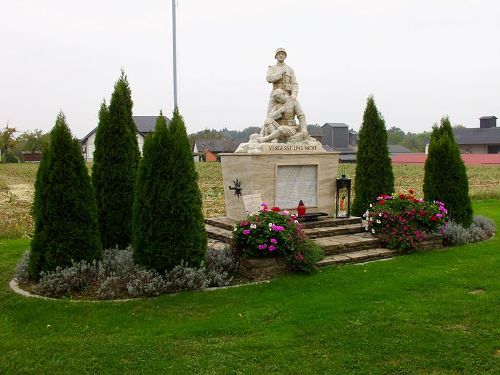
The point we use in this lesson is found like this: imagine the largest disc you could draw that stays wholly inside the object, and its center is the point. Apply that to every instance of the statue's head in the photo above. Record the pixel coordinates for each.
(279, 96)
(280, 54)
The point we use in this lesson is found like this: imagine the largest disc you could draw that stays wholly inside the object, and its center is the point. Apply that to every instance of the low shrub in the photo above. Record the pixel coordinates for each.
(21, 272)
(273, 233)
(481, 229)
(402, 221)
(117, 276)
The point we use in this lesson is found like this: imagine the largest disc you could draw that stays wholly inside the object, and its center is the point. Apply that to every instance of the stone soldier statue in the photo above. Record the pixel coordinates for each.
(282, 77)
(280, 124)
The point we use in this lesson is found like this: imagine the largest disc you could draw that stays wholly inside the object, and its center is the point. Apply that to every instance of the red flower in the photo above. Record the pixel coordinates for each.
(433, 218)
(421, 213)
(411, 191)
(415, 201)
(276, 209)
(402, 196)
(381, 201)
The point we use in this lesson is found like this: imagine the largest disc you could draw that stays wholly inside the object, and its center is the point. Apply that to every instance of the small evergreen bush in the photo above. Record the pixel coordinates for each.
(9, 157)
(114, 171)
(373, 165)
(64, 206)
(168, 220)
(445, 177)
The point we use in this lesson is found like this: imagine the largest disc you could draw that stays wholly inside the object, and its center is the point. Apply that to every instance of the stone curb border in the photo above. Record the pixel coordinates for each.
(14, 286)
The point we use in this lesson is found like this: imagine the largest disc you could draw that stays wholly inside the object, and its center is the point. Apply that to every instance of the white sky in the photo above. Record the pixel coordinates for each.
(421, 59)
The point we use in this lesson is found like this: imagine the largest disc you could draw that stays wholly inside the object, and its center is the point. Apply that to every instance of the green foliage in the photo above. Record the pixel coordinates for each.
(402, 221)
(445, 176)
(116, 159)
(374, 174)
(224, 134)
(64, 207)
(9, 157)
(416, 141)
(168, 219)
(32, 141)
(7, 140)
(395, 136)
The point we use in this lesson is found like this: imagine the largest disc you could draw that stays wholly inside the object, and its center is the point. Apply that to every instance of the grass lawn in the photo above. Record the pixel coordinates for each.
(434, 312)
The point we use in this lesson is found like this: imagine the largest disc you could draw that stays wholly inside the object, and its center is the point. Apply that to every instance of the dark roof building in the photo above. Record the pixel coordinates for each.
(398, 149)
(482, 140)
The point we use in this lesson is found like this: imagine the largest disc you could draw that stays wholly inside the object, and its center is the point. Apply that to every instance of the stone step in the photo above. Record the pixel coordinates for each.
(221, 222)
(227, 223)
(358, 256)
(334, 231)
(330, 222)
(347, 243)
(219, 234)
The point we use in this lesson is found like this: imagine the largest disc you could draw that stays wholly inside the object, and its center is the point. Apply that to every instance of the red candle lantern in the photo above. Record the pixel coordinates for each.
(301, 208)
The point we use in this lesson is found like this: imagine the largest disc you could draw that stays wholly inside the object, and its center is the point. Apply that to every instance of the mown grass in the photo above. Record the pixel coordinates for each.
(16, 221)
(425, 313)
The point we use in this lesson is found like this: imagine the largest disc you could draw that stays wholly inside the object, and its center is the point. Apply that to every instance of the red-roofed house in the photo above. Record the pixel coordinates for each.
(469, 159)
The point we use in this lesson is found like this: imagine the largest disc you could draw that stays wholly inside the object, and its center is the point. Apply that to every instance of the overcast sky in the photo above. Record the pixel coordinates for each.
(421, 59)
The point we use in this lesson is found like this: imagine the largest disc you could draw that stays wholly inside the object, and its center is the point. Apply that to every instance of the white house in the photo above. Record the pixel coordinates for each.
(144, 124)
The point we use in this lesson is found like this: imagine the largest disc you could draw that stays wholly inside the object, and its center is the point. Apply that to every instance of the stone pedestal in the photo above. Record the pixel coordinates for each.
(282, 176)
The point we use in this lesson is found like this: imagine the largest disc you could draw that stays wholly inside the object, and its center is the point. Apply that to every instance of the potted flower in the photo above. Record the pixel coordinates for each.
(403, 222)
(272, 242)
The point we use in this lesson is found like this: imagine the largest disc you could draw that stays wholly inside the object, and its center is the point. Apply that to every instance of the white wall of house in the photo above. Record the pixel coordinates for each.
(474, 149)
(89, 147)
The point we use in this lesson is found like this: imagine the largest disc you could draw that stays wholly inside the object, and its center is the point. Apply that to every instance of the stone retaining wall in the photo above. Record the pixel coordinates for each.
(263, 268)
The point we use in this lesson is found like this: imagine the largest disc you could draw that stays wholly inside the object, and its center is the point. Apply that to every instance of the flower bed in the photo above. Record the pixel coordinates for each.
(402, 222)
(272, 233)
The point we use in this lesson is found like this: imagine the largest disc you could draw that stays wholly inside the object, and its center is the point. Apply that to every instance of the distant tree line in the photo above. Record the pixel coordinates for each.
(12, 146)
(395, 136)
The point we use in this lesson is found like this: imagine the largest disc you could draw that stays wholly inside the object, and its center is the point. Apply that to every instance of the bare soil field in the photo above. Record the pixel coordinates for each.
(17, 190)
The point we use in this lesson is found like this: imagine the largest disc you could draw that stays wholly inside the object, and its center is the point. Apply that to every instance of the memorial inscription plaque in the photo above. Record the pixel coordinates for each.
(295, 183)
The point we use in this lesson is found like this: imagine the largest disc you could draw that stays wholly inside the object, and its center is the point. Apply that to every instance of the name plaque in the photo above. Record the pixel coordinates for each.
(290, 148)
(295, 183)
(252, 203)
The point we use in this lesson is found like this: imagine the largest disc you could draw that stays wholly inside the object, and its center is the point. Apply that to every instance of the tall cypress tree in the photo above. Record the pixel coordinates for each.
(168, 218)
(445, 176)
(374, 174)
(64, 207)
(116, 159)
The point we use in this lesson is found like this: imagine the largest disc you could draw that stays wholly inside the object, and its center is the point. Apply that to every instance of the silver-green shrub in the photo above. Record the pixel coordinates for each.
(117, 276)
(21, 273)
(481, 229)
(487, 225)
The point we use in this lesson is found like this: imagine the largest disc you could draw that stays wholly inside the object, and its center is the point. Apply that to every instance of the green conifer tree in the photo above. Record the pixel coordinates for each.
(64, 208)
(168, 219)
(116, 159)
(374, 174)
(445, 177)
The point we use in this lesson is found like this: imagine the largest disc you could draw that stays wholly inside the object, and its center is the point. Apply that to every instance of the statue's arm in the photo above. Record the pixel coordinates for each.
(273, 74)
(301, 116)
(295, 84)
(275, 113)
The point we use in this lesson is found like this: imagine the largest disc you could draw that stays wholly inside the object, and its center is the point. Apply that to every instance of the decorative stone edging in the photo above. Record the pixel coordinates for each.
(14, 286)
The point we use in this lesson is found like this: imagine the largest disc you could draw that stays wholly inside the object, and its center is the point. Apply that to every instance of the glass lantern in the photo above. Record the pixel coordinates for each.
(343, 199)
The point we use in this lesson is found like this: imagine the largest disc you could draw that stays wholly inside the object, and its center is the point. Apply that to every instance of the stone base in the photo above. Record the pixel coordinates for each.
(257, 269)
(258, 174)
(431, 242)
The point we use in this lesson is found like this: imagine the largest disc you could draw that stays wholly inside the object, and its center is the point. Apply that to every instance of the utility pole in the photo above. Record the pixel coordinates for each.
(174, 37)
